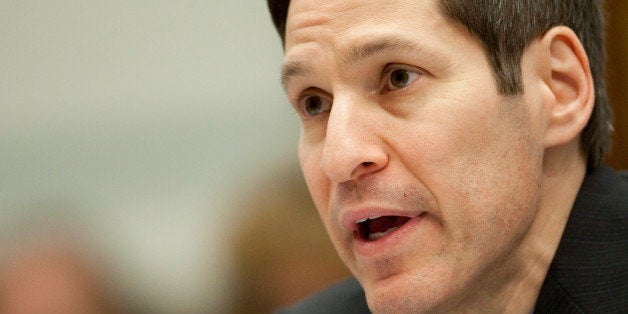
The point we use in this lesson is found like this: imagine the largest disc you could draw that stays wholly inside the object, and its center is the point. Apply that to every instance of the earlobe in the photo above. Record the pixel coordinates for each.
(571, 85)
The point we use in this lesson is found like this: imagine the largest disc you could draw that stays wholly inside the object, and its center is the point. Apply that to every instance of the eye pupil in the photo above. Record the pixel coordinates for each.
(313, 105)
(399, 78)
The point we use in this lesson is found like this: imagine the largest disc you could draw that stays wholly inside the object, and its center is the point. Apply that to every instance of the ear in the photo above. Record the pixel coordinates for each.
(569, 82)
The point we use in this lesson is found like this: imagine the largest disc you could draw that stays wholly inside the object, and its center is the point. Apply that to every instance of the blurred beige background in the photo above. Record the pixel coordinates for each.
(150, 128)
(142, 121)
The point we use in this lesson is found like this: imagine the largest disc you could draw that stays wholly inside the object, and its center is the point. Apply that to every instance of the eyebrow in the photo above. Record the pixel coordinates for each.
(293, 68)
(355, 54)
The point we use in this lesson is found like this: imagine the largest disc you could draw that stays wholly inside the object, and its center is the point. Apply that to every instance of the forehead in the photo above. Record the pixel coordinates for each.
(324, 37)
(335, 22)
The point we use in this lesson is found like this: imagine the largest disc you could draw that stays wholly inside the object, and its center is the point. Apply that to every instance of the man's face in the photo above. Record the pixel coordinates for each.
(426, 179)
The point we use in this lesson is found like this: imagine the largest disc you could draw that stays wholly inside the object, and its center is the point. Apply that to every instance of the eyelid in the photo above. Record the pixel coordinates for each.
(394, 66)
(310, 91)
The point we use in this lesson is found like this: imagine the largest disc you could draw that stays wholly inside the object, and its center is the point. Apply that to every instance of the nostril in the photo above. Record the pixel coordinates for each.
(364, 167)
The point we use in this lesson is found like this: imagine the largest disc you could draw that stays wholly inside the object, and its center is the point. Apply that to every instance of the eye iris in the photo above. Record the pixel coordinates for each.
(313, 105)
(399, 78)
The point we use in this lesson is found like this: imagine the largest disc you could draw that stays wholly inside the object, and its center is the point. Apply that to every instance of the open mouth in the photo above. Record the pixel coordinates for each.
(374, 228)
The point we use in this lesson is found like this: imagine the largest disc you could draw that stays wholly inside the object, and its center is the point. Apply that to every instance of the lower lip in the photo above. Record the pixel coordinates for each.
(379, 246)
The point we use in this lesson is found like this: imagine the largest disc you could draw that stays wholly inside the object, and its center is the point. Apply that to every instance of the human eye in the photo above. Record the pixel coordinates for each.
(397, 77)
(313, 104)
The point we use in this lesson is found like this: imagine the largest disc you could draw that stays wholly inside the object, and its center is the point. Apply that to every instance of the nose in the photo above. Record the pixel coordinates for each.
(353, 144)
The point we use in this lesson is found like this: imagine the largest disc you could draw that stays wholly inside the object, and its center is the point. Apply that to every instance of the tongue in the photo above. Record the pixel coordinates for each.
(382, 224)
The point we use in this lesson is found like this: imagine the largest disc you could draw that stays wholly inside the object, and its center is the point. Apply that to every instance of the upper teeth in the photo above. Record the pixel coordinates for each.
(365, 219)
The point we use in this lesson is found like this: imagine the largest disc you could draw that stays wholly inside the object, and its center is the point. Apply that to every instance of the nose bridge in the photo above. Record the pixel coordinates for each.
(352, 145)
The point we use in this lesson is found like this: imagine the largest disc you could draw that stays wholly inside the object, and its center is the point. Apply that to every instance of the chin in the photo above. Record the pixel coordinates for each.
(397, 294)
(412, 293)
(392, 301)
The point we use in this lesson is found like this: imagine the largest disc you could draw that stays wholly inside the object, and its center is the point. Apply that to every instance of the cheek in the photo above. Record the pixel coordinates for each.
(317, 183)
(481, 167)
(499, 190)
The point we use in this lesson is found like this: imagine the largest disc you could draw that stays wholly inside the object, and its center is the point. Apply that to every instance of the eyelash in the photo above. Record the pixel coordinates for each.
(310, 93)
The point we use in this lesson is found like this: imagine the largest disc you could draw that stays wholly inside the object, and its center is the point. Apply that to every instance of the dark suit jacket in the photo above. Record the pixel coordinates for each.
(589, 273)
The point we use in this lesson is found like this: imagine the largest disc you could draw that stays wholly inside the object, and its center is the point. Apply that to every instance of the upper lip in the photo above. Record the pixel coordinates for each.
(351, 218)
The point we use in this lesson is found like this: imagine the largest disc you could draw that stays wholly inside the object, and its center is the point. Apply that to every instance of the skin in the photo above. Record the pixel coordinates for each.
(401, 116)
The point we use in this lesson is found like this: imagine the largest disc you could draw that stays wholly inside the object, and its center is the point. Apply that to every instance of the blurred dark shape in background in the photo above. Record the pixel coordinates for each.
(281, 250)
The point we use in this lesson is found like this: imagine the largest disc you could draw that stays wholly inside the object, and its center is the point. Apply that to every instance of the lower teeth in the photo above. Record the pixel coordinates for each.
(376, 235)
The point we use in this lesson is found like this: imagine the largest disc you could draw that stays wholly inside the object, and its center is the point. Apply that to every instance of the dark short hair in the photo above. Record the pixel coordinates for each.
(506, 27)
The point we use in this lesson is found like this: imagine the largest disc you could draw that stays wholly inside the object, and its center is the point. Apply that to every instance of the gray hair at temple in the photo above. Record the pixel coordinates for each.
(506, 27)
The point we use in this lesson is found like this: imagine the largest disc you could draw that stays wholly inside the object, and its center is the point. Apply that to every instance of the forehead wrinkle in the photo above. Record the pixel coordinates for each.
(378, 46)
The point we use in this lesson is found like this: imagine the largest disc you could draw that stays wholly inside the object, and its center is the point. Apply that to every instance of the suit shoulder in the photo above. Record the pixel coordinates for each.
(344, 297)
